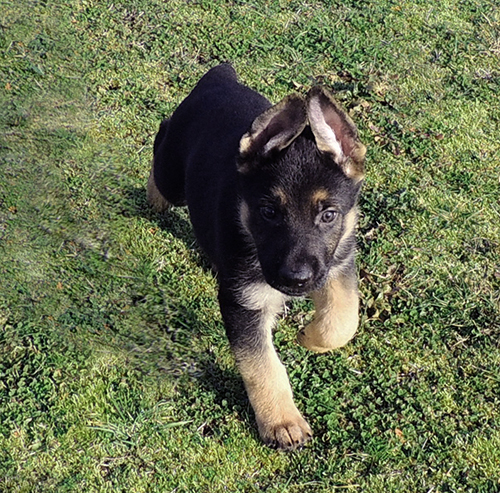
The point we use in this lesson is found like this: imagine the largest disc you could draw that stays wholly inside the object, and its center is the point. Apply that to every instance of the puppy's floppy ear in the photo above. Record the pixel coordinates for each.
(335, 132)
(273, 130)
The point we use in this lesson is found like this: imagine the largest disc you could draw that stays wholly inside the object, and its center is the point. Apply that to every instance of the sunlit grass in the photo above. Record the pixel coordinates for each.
(115, 373)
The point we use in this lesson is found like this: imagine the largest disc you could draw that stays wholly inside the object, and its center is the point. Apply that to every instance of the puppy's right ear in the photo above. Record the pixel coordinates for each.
(273, 130)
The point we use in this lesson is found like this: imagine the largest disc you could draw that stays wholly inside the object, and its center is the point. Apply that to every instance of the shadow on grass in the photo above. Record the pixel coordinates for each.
(175, 221)
(223, 385)
(228, 394)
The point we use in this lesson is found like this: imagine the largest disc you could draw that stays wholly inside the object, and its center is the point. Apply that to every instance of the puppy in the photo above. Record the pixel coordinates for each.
(272, 194)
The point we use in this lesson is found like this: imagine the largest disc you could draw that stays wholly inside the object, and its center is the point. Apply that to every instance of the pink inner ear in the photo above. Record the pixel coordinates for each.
(272, 129)
(341, 130)
(276, 126)
(281, 127)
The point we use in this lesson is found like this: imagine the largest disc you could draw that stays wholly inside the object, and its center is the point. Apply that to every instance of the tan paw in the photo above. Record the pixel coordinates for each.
(323, 337)
(155, 198)
(286, 434)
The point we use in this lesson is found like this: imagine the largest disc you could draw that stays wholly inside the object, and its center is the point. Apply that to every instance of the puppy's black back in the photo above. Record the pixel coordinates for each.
(219, 110)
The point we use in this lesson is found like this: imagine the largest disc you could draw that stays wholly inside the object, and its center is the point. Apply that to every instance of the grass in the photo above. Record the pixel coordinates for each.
(115, 374)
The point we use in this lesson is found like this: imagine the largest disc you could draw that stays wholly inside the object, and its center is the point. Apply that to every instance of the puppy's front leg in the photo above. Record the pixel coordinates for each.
(336, 318)
(250, 334)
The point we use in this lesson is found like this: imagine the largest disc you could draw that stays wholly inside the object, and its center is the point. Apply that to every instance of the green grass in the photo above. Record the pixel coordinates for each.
(115, 374)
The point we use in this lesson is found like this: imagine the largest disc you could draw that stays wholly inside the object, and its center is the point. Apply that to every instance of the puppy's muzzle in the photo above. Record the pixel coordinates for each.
(296, 277)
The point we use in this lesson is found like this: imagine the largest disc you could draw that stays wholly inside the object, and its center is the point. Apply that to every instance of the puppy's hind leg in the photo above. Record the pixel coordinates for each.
(166, 179)
(155, 199)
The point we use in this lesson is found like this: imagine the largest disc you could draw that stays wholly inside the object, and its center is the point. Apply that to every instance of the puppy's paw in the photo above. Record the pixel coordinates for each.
(308, 338)
(322, 336)
(286, 434)
(155, 198)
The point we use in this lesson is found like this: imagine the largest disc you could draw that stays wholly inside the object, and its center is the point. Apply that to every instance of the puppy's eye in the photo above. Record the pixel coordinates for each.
(267, 212)
(328, 216)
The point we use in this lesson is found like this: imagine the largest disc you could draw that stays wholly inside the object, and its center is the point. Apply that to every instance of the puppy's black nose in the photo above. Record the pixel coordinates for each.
(296, 276)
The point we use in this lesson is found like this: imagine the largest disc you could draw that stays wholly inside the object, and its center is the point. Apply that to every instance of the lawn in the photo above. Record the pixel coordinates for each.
(115, 373)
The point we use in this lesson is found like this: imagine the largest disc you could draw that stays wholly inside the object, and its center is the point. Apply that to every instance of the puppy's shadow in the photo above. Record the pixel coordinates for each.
(224, 384)
(229, 396)
(175, 221)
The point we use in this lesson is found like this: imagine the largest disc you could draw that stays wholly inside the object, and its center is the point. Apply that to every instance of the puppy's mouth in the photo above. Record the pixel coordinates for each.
(298, 289)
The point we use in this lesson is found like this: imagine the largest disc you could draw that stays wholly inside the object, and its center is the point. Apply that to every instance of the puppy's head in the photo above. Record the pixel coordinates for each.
(300, 171)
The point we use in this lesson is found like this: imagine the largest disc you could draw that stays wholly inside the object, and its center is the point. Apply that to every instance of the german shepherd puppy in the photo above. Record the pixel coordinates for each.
(272, 194)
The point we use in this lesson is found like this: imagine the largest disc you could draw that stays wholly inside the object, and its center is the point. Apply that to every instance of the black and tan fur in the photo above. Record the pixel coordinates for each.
(272, 194)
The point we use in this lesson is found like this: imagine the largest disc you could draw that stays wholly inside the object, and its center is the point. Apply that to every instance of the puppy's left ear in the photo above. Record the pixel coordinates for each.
(273, 130)
(335, 133)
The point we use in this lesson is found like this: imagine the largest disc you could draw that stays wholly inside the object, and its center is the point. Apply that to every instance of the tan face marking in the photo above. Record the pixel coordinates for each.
(319, 195)
(350, 222)
(280, 194)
